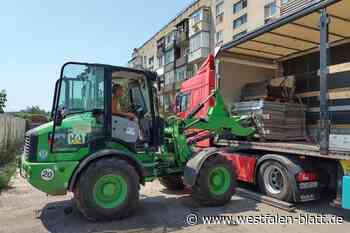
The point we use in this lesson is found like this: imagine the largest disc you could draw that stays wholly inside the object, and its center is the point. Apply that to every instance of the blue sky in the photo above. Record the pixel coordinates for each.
(38, 36)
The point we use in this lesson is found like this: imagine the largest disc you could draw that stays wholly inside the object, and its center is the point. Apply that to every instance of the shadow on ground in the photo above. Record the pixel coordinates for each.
(154, 214)
(322, 207)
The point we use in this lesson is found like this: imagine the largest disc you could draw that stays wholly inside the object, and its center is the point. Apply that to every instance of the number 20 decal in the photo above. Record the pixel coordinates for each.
(47, 174)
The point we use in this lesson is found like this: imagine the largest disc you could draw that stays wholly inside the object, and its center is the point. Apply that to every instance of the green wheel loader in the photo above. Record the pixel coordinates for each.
(103, 158)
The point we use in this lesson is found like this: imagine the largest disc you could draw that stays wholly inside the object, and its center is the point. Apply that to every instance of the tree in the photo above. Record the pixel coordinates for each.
(3, 99)
(34, 110)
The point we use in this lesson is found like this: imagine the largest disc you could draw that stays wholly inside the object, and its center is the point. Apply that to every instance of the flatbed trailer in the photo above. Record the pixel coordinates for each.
(292, 148)
(312, 45)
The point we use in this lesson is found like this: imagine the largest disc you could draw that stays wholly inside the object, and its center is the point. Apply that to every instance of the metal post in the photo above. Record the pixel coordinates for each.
(324, 113)
(217, 73)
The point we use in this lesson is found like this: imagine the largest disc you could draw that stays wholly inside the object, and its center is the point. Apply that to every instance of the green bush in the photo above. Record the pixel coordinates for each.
(8, 157)
(6, 173)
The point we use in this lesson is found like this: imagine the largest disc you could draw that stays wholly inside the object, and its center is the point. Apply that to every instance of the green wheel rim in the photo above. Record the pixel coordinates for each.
(110, 191)
(219, 180)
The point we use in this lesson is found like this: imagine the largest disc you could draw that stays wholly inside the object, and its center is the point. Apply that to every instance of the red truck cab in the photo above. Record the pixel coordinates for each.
(196, 89)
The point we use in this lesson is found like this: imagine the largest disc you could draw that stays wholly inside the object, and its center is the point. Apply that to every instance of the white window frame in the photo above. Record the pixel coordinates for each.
(199, 40)
(219, 9)
(219, 36)
(242, 20)
(242, 4)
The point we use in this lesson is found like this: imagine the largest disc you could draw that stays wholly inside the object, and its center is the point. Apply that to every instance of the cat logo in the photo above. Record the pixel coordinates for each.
(76, 139)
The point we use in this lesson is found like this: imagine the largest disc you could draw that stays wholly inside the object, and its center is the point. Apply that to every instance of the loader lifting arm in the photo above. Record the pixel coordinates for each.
(217, 120)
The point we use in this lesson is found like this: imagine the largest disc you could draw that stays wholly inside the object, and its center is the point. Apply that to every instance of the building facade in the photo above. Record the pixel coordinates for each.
(178, 49)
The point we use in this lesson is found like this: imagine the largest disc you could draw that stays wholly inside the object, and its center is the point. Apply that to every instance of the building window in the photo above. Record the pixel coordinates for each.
(169, 78)
(219, 36)
(200, 15)
(237, 7)
(183, 51)
(180, 74)
(169, 39)
(144, 61)
(160, 61)
(196, 17)
(169, 56)
(167, 103)
(239, 35)
(151, 61)
(219, 12)
(270, 9)
(219, 9)
(200, 40)
(240, 21)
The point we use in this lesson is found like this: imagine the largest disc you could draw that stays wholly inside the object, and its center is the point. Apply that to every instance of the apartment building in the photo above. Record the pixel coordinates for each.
(178, 49)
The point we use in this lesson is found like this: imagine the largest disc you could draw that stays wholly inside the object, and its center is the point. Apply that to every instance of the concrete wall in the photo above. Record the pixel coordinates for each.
(234, 76)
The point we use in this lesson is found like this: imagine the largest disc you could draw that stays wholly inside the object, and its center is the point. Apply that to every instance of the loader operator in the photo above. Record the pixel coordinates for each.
(118, 93)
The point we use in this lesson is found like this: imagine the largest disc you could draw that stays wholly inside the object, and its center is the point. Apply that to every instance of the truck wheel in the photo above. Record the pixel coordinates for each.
(172, 182)
(274, 181)
(216, 182)
(108, 189)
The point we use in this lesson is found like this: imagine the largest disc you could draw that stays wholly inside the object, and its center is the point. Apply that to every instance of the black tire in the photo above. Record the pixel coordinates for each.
(172, 182)
(274, 181)
(201, 189)
(84, 191)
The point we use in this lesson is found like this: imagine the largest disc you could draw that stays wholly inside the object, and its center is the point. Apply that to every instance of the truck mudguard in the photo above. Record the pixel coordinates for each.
(127, 156)
(194, 165)
(293, 168)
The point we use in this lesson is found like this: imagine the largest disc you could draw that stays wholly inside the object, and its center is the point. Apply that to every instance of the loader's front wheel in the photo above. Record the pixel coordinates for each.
(108, 189)
(216, 182)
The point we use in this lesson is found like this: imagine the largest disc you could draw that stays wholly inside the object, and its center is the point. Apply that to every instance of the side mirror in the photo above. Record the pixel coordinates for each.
(60, 116)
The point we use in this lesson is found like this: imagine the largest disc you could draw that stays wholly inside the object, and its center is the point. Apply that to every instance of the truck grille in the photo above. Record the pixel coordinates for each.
(29, 149)
(26, 150)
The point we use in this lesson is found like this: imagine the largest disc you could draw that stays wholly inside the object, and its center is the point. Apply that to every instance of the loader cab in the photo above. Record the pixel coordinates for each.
(82, 108)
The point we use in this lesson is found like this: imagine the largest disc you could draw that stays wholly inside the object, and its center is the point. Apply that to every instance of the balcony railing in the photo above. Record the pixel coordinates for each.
(198, 54)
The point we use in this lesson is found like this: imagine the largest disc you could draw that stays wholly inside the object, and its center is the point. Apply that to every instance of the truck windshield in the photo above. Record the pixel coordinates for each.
(81, 88)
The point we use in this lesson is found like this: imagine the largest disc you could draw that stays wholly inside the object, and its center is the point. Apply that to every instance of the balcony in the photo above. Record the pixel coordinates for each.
(199, 21)
(136, 62)
(182, 38)
(169, 67)
(198, 54)
(198, 27)
(181, 61)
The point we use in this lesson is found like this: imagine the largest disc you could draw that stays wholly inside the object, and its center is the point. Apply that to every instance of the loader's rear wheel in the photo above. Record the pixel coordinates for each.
(108, 189)
(172, 182)
(216, 182)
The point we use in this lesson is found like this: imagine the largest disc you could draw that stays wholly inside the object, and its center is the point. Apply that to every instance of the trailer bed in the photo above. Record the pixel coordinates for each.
(296, 148)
